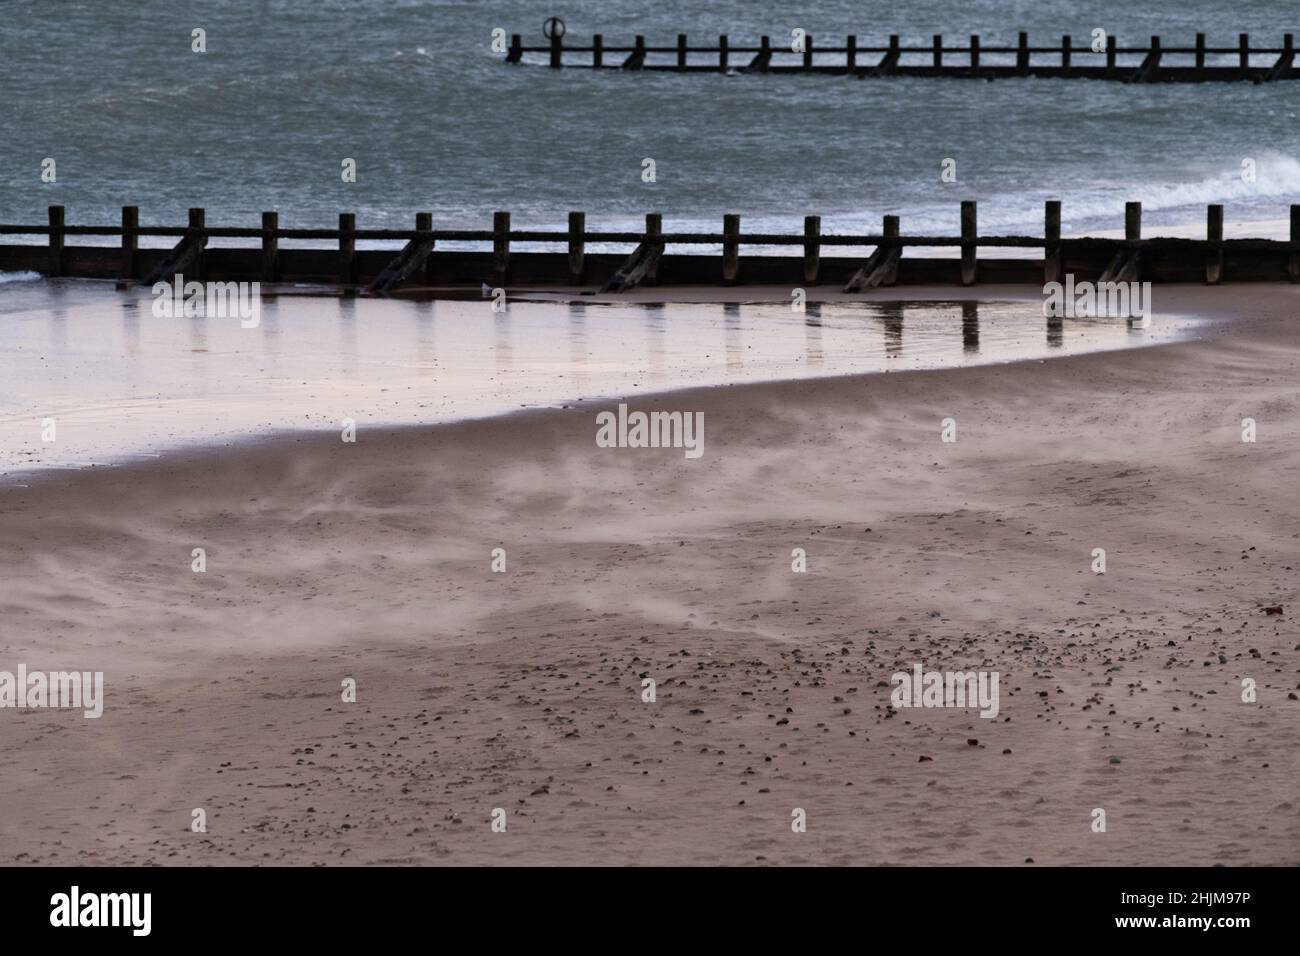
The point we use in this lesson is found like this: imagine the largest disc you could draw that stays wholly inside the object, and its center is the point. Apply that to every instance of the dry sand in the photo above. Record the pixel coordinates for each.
(521, 690)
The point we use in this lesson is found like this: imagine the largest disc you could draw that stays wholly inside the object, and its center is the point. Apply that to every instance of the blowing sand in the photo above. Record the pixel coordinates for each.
(522, 690)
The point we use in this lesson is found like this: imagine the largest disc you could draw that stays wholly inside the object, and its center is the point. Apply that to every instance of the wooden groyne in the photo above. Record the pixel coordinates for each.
(421, 265)
(1154, 62)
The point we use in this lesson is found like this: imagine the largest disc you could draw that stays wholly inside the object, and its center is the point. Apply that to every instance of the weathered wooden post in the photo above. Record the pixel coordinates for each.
(1293, 263)
(1066, 44)
(807, 52)
(516, 49)
(577, 247)
(851, 54)
(968, 275)
(1052, 259)
(130, 239)
(637, 58)
(1133, 221)
(681, 51)
(1112, 49)
(557, 51)
(892, 229)
(597, 51)
(730, 248)
(812, 249)
(56, 240)
(938, 49)
(1243, 51)
(722, 53)
(1022, 55)
(270, 246)
(892, 56)
(347, 247)
(1214, 251)
(196, 230)
(763, 60)
(974, 52)
(654, 228)
(1200, 53)
(500, 247)
(424, 225)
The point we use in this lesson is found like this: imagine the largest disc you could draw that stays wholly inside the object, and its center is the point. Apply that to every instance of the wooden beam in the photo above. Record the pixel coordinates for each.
(1053, 263)
(636, 59)
(413, 257)
(347, 248)
(1214, 234)
(730, 248)
(812, 249)
(889, 62)
(56, 214)
(186, 254)
(1126, 264)
(881, 267)
(500, 248)
(1284, 61)
(1150, 64)
(1293, 262)
(130, 239)
(968, 249)
(270, 247)
(577, 247)
(643, 264)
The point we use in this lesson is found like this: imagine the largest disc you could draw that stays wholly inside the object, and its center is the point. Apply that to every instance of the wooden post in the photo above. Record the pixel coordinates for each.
(1293, 263)
(1066, 44)
(637, 58)
(1052, 260)
(812, 248)
(577, 247)
(938, 49)
(730, 248)
(598, 51)
(500, 247)
(1214, 233)
(1243, 50)
(1022, 55)
(424, 223)
(764, 58)
(56, 240)
(681, 51)
(130, 239)
(852, 54)
(1112, 46)
(807, 52)
(722, 53)
(197, 219)
(270, 246)
(974, 52)
(968, 275)
(516, 49)
(1200, 51)
(556, 50)
(1132, 221)
(347, 247)
(893, 51)
(654, 227)
(891, 230)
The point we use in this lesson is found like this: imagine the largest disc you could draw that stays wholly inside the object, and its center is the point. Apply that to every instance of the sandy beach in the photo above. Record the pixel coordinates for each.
(522, 690)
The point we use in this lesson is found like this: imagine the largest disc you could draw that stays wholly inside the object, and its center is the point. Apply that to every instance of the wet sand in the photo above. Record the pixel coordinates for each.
(522, 690)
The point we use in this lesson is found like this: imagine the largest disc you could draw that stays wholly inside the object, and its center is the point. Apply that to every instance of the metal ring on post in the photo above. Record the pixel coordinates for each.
(553, 27)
